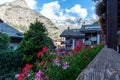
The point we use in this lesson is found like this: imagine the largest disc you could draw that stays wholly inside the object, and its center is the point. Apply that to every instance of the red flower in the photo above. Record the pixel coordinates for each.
(74, 52)
(44, 49)
(88, 47)
(25, 71)
(28, 67)
(20, 76)
(39, 54)
(77, 48)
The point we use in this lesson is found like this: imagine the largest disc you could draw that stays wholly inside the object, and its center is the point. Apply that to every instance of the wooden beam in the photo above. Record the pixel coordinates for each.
(105, 66)
(112, 24)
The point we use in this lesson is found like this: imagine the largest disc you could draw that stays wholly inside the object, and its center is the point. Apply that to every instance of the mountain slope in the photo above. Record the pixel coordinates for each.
(19, 15)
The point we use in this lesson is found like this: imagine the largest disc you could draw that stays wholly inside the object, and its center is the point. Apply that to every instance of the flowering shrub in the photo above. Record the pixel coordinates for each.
(59, 67)
(24, 72)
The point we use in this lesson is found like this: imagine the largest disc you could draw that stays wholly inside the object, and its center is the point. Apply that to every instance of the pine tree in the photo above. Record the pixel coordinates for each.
(34, 39)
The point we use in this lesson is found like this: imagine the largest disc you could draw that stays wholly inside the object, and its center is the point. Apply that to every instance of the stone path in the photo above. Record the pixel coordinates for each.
(105, 66)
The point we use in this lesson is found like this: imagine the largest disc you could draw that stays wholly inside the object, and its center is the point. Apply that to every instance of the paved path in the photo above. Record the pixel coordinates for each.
(105, 66)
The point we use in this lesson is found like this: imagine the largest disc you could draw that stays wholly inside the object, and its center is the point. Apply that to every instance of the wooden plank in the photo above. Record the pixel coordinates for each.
(112, 23)
(105, 66)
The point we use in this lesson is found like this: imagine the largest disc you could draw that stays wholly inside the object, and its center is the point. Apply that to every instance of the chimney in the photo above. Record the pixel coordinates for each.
(68, 28)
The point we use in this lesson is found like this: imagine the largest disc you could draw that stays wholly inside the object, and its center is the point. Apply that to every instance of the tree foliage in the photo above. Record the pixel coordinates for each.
(4, 42)
(34, 39)
(9, 59)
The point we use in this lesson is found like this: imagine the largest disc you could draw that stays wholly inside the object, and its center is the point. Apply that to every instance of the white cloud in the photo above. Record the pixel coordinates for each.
(31, 3)
(81, 12)
(94, 16)
(93, 8)
(53, 10)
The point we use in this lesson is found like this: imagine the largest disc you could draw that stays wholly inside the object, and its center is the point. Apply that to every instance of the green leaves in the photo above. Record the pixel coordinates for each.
(4, 42)
(77, 64)
(34, 39)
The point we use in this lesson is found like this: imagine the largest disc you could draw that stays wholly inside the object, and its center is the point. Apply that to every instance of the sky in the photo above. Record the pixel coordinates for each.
(62, 9)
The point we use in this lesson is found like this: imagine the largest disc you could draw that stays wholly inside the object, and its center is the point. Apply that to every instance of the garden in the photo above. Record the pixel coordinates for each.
(37, 59)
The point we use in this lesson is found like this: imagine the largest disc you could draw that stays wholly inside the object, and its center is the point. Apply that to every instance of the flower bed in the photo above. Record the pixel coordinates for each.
(52, 66)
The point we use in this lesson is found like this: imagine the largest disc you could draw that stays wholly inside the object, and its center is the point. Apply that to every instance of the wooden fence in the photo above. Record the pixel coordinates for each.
(105, 66)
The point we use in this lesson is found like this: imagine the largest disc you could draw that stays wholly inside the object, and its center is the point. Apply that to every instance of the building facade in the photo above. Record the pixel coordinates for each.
(88, 35)
(15, 35)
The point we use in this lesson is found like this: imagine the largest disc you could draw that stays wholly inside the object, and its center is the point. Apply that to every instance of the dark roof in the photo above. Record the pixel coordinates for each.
(72, 33)
(1, 21)
(10, 31)
(90, 28)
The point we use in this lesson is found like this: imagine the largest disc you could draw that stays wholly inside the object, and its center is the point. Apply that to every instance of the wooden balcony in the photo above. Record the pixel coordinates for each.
(105, 66)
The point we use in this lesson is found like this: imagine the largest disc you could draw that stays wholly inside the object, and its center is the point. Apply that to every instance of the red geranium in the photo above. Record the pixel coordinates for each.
(74, 52)
(20, 76)
(39, 54)
(26, 69)
(77, 48)
(44, 49)
(88, 47)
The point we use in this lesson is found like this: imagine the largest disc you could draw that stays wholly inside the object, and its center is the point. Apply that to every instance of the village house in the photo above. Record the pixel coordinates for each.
(70, 36)
(92, 34)
(15, 35)
(88, 35)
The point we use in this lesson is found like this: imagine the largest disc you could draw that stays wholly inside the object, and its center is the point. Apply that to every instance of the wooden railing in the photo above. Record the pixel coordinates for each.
(105, 66)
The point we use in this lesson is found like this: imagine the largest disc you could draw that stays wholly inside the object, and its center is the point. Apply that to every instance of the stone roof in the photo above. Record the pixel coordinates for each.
(90, 28)
(10, 31)
(1, 21)
(80, 33)
(72, 33)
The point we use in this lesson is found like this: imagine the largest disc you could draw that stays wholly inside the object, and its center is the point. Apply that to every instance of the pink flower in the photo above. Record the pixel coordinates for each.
(65, 65)
(44, 49)
(57, 62)
(38, 75)
(39, 54)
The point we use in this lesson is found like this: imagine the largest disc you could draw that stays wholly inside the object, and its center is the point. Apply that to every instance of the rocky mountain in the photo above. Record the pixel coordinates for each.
(73, 23)
(19, 15)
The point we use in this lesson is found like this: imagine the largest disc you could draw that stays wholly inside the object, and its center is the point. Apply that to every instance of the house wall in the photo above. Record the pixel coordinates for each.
(92, 38)
(70, 43)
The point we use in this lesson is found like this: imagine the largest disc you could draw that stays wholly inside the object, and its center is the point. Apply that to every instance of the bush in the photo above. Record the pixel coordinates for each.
(4, 42)
(34, 39)
(9, 60)
(76, 64)
(60, 67)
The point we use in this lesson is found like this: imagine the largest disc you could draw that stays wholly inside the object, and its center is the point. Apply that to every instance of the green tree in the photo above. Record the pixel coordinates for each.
(34, 39)
(4, 42)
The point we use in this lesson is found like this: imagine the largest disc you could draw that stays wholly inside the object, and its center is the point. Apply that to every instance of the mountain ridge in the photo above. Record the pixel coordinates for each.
(19, 15)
